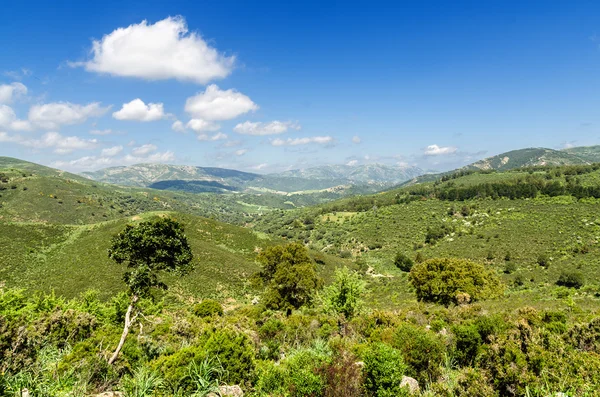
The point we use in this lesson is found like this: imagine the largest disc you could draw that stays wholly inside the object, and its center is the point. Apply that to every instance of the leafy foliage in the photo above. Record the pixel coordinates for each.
(344, 295)
(289, 275)
(444, 280)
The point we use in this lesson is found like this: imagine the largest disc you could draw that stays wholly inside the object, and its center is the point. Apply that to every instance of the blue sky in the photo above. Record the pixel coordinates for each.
(273, 85)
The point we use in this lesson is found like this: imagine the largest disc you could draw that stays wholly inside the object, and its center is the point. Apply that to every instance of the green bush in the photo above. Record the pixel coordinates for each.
(383, 370)
(303, 375)
(423, 351)
(467, 341)
(344, 295)
(446, 280)
(403, 262)
(570, 279)
(208, 308)
(235, 353)
(543, 260)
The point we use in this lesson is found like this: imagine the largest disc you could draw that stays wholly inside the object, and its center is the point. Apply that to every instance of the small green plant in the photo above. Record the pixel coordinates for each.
(142, 383)
(543, 260)
(383, 370)
(344, 295)
(208, 308)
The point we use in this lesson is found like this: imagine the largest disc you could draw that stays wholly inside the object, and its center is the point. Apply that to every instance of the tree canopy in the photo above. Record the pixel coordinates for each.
(289, 275)
(449, 280)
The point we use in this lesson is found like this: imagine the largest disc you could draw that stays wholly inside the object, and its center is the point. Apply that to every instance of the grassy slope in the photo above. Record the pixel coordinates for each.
(55, 230)
(556, 227)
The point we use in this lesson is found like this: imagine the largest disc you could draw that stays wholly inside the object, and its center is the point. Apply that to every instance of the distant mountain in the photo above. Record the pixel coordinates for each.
(531, 157)
(528, 157)
(359, 174)
(371, 178)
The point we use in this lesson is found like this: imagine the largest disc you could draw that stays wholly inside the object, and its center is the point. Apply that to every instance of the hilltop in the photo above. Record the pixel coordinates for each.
(528, 157)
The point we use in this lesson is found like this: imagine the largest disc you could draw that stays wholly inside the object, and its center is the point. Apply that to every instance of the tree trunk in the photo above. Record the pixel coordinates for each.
(128, 323)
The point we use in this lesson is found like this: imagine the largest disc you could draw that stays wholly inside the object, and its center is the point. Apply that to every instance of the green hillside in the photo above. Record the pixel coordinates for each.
(558, 220)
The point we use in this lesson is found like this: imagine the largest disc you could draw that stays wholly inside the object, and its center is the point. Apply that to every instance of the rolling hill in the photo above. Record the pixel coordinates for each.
(528, 157)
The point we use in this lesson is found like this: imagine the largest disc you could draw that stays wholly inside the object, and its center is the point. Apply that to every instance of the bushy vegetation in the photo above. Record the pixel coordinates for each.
(494, 302)
(456, 281)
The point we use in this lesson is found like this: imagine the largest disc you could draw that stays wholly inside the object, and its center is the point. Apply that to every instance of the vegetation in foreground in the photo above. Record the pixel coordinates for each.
(482, 294)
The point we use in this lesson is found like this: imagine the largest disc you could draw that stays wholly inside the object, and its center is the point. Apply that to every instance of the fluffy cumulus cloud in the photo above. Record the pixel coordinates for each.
(435, 150)
(164, 50)
(8, 92)
(199, 125)
(8, 119)
(178, 126)
(241, 152)
(143, 150)
(53, 115)
(51, 140)
(321, 140)
(111, 151)
(352, 163)
(216, 137)
(356, 139)
(137, 110)
(270, 128)
(217, 104)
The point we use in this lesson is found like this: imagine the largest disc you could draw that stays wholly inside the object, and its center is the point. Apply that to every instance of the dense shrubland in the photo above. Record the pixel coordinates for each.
(57, 347)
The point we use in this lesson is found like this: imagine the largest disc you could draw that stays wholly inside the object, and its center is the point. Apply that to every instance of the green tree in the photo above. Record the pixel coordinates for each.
(403, 262)
(344, 295)
(448, 280)
(289, 275)
(148, 249)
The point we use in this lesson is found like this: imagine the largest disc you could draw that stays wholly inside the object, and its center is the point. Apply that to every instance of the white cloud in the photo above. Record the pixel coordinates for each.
(111, 151)
(137, 110)
(53, 115)
(144, 150)
(8, 92)
(8, 119)
(164, 50)
(352, 163)
(217, 104)
(435, 150)
(302, 141)
(258, 166)
(270, 128)
(241, 152)
(60, 143)
(217, 137)
(356, 139)
(178, 126)
(232, 143)
(199, 125)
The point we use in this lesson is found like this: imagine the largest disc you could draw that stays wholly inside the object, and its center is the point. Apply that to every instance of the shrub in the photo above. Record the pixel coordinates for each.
(302, 377)
(510, 267)
(383, 370)
(543, 260)
(344, 295)
(343, 377)
(403, 262)
(446, 281)
(235, 353)
(423, 351)
(467, 342)
(208, 308)
(571, 279)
